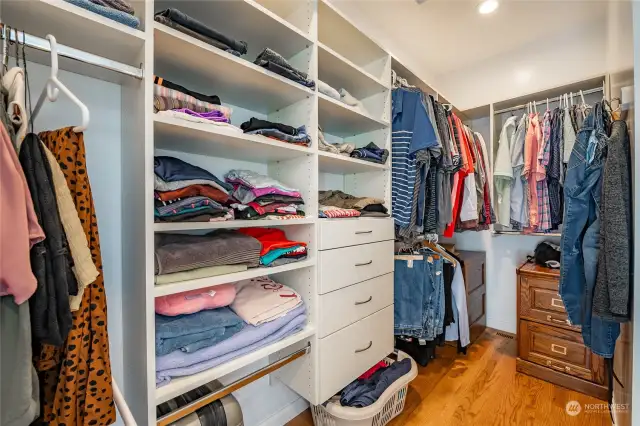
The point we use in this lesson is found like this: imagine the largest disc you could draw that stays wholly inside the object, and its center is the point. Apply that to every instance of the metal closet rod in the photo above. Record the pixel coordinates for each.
(232, 387)
(42, 44)
(555, 99)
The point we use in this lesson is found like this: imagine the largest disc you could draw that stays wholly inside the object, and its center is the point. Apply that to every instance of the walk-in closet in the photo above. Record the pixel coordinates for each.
(318, 212)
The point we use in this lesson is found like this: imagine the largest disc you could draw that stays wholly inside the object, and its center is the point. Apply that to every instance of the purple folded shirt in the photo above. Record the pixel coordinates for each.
(211, 115)
(251, 338)
(246, 195)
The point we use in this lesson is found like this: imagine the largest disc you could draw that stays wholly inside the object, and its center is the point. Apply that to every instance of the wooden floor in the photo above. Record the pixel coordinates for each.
(483, 388)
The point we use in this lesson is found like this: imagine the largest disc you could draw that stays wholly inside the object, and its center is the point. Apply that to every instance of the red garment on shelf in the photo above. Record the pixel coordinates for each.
(270, 238)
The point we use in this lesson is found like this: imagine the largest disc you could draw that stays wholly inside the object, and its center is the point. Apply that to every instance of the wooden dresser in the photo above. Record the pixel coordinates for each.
(474, 278)
(549, 348)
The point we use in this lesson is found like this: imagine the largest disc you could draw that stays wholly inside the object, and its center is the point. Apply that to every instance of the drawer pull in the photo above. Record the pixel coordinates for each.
(552, 319)
(362, 350)
(365, 263)
(557, 303)
(363, 232)
(558, 349)
(366, 301)
(556, 367)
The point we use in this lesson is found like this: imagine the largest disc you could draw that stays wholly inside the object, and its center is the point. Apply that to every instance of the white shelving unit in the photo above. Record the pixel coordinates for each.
(315, 38)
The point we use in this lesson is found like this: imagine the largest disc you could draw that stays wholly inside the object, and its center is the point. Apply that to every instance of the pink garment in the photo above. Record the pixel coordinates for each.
(533, 170)
(19, 228)
(372, 370)
(194, 301)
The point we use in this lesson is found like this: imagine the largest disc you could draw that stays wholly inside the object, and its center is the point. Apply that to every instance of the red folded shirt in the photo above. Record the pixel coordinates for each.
(270, 238)
(372, 370)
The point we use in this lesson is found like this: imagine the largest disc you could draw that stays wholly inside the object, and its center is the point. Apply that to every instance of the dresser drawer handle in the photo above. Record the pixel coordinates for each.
(365, 263)
(364, 232)
(555, 367)
(362, 350)
(557, 303)
(552, 319)
(558, 349)
(366, 301)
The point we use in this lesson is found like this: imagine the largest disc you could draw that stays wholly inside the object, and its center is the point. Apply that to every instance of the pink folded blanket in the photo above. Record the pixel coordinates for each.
(194, 301)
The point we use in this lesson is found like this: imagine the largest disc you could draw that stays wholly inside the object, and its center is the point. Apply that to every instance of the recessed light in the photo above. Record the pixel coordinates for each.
(488, 6)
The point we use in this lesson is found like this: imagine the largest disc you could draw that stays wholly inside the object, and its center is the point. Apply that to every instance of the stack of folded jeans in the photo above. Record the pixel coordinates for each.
(282, 132)
(187, 193)
(116, 10)
(261, 197)
(276, 248)
(274, 62)
(184, 23)
(371, 153)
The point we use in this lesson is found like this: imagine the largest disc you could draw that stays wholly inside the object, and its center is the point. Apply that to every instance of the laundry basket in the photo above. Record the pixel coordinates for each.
(388, 406)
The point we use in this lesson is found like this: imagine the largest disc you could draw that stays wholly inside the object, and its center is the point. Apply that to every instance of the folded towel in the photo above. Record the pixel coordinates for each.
(178, 332)
(260, 300)
(107, 12)
(190, 302)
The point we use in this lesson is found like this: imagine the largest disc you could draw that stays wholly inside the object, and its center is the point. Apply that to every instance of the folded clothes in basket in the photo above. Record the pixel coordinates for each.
(362, 393)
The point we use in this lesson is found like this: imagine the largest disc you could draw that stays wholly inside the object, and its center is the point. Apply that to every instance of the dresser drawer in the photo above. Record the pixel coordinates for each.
(346, 354)
(476, 304)
(342, 267)
(350, 232)
(540, 301)
(343, 307)
(555, 348)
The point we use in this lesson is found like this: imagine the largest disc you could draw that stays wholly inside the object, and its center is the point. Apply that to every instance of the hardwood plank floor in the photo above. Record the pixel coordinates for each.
(482, 388)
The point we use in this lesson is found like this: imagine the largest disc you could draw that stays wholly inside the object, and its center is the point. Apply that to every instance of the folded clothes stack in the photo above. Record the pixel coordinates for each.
(263, 312)
(261, 197)
(340, 95)
(187, 193)
(335, 148)
(116, 10)
(276, 249)
(282, 132)
(274, 62)
(337, 204)
(371, 153)
(184, 23)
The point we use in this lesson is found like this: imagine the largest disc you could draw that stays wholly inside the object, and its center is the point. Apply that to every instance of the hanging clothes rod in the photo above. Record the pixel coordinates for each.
(42, 44)
(555, 99)
(232, 387)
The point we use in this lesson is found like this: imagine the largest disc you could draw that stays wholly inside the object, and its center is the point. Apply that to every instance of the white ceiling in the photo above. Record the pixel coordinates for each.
(451, 34)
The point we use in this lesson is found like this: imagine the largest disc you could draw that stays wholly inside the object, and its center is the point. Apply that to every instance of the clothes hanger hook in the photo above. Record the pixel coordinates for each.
(52, 91)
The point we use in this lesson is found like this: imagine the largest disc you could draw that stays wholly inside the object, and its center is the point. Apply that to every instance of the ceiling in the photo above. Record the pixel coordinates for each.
(451, 34)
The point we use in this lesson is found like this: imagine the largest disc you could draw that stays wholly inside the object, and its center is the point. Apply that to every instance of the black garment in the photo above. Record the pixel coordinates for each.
(555, 169)
(51, 260)
(379, 208)
(430, 222)
(421, 353)
(194, 25)
(274, 62)
(257, 124)
(212, 99)
(448, 270)
(215, 43)
(251, 214)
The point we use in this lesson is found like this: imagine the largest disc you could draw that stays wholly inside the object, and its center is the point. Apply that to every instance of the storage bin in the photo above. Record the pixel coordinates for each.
(388, 406)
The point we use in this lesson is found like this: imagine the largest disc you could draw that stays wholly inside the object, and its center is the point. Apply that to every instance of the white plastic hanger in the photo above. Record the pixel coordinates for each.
(571, 96)
(53, 87)
(547, 104)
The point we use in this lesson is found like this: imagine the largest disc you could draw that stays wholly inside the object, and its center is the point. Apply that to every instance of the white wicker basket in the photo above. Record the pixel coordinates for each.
(388, 406)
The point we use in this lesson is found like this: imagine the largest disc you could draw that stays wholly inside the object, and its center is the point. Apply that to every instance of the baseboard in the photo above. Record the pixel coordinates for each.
(283, 416)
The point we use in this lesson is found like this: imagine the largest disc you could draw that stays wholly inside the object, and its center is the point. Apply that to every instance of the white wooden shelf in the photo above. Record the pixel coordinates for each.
(181, 385)
(230, 224)
(329, 162)
(339, 119)
(236, 80)
(207, 139)
(76, 27)
(339, 72)
(179, 287)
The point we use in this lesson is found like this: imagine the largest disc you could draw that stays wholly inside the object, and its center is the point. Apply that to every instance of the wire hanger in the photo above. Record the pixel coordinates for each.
(54, 86)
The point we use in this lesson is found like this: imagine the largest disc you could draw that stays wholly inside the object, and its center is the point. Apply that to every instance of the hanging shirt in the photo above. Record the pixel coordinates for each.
(544, 155)
(569, 136)
(518, 213)
(411, 131)
(503, 172)
(533, 171)
(460, 328)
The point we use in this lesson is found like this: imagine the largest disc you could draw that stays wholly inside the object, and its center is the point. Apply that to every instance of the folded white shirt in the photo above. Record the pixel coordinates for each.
(260, 300)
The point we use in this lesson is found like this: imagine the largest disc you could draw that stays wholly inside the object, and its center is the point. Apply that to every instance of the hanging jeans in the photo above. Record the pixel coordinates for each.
(581, 237)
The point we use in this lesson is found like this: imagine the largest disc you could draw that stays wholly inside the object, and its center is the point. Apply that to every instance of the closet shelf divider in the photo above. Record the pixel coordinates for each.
(342, 120)
(179, 287)
(341, 164)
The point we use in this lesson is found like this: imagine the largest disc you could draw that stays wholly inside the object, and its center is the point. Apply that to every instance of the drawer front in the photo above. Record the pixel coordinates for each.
(346, 354)
(473, 275)
(540, 301)
(350, 232)
(343, 307)
(342, 267)
(476, 305)
(556, 348)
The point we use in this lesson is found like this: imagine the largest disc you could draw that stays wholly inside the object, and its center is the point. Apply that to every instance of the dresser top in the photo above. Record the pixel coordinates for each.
(531, 268)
